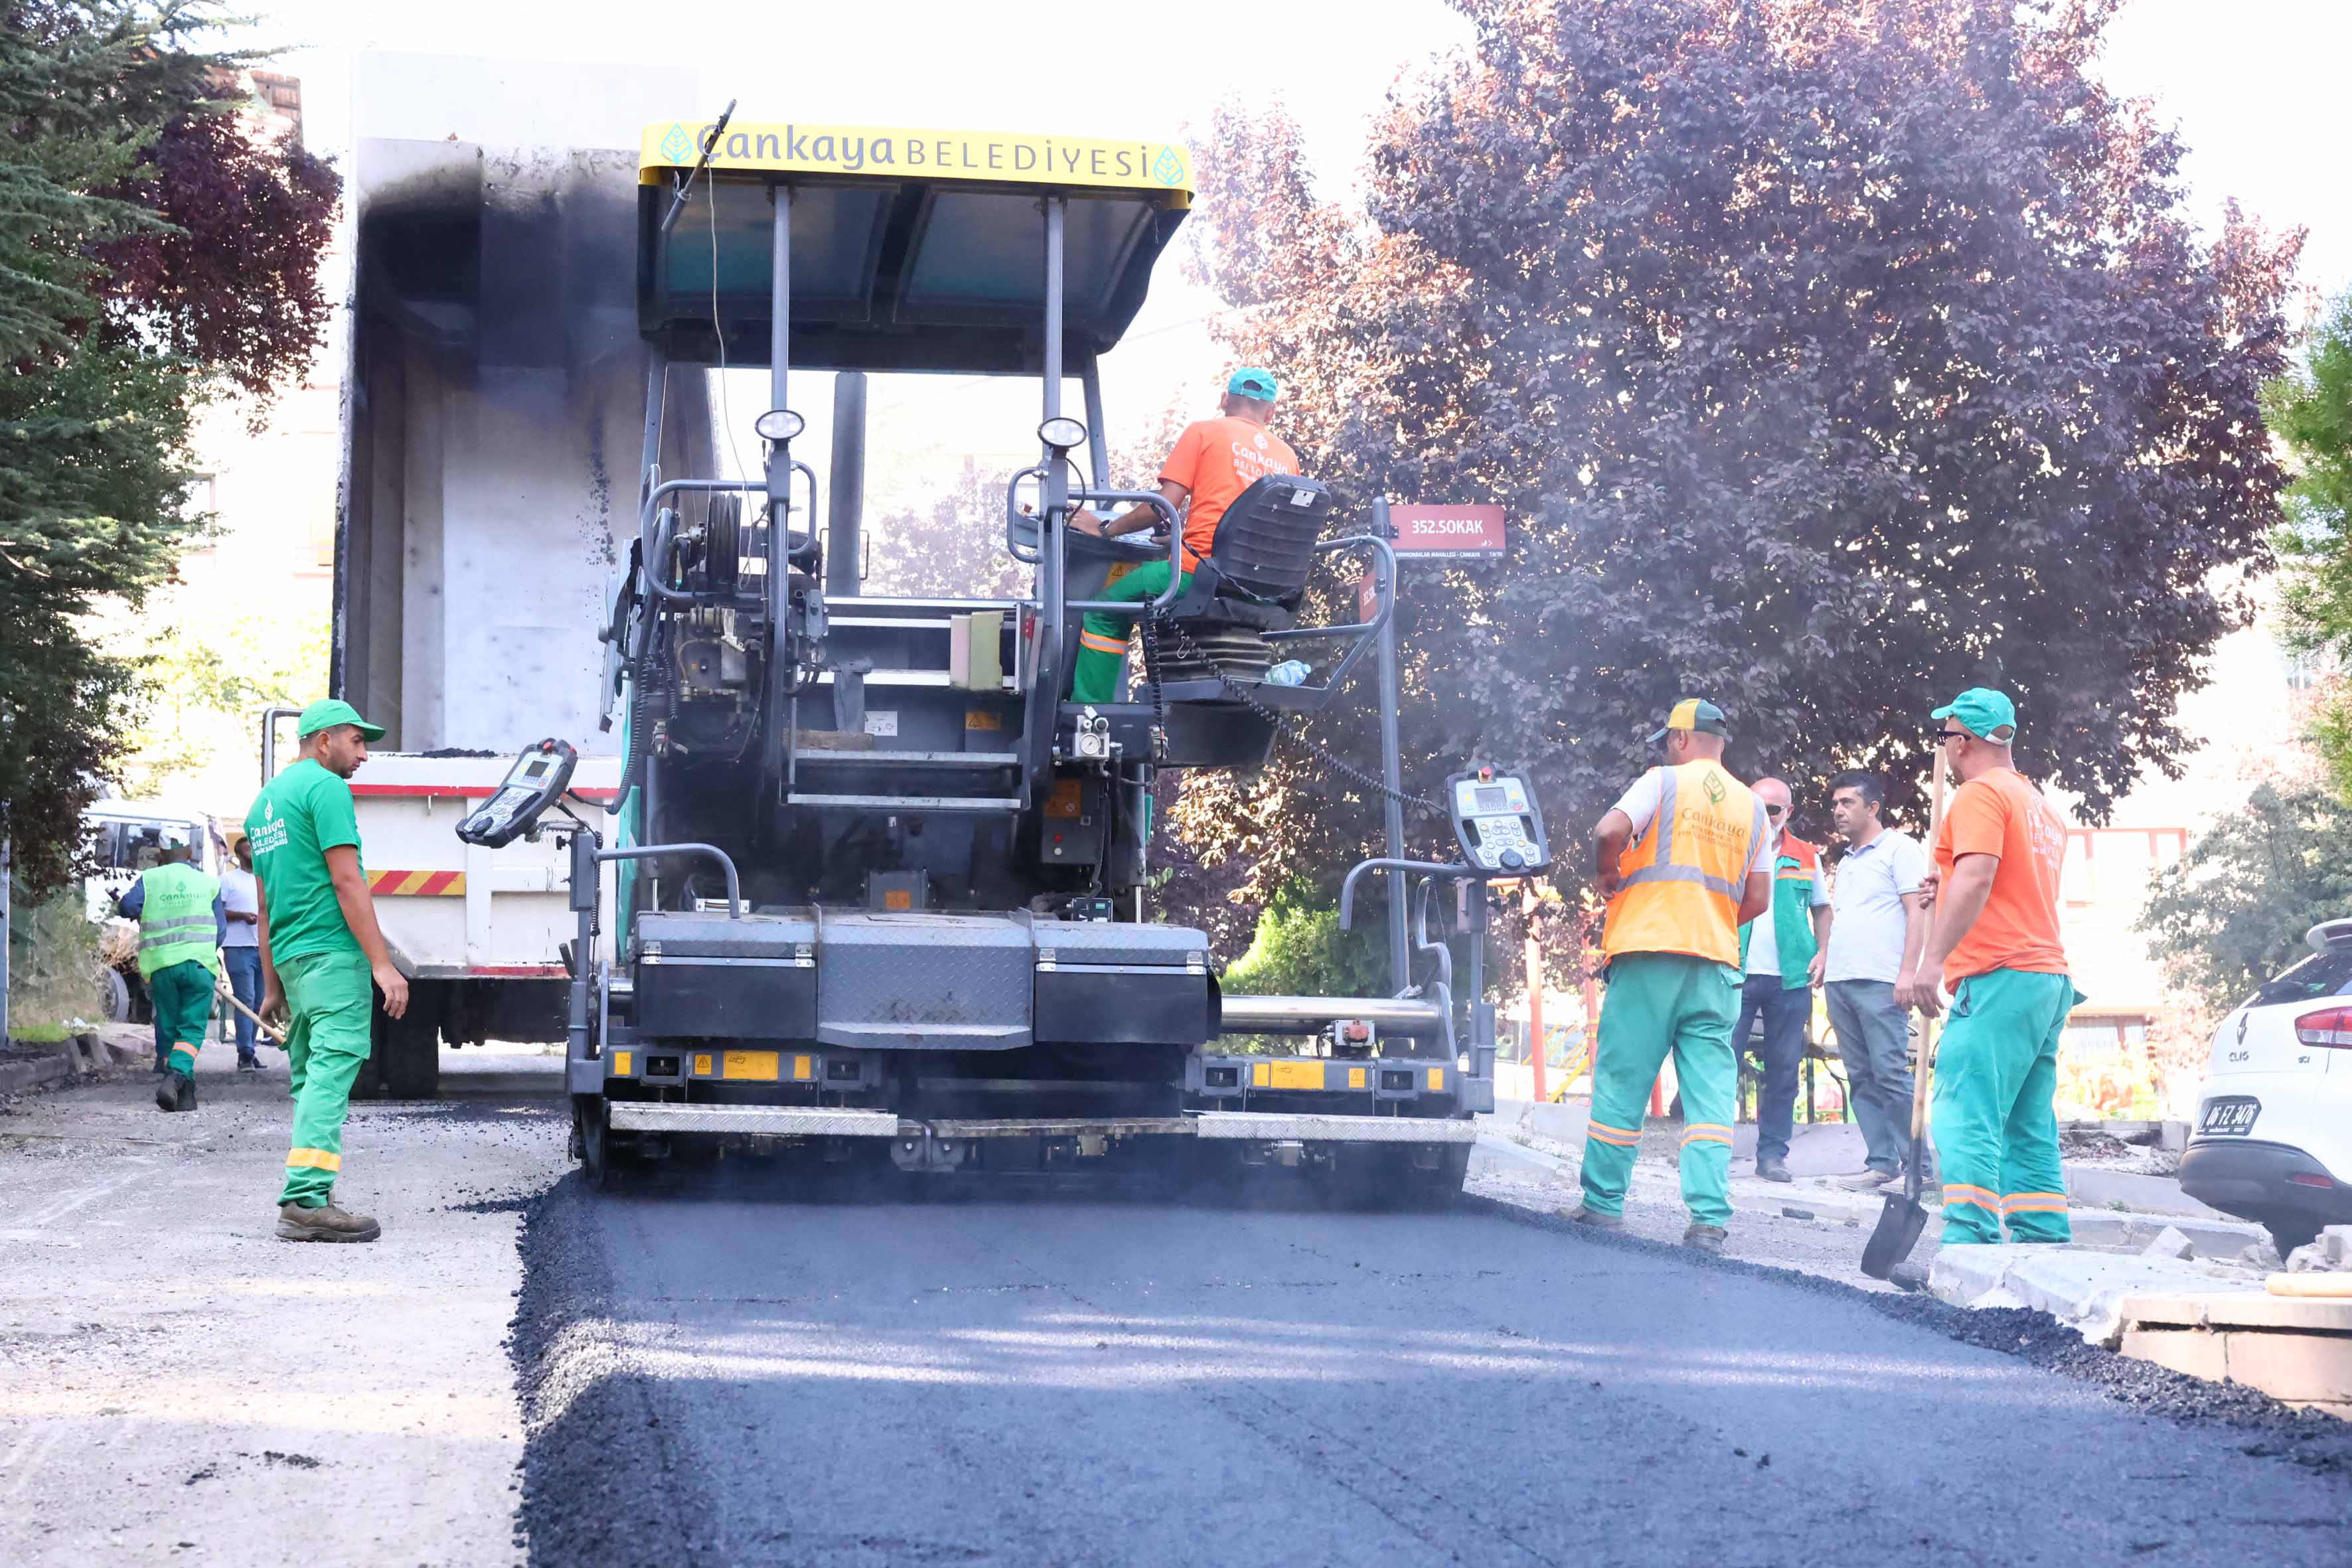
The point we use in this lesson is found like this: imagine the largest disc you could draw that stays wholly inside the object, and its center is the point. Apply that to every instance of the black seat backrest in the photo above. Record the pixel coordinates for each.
(1265, 540)
(1256, 569)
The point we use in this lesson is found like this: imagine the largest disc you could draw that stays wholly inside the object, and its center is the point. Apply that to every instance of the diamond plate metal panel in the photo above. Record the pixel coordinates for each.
(788, 1122)
(1263, 1125)
(943, 980)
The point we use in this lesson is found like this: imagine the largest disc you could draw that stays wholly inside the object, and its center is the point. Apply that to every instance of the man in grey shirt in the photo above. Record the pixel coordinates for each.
(1879, 926)
(241, 950)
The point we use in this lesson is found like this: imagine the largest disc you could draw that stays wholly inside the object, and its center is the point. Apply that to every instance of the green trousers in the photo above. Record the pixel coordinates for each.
(331, 999)
(1657, 1003)
(1102, 639)
(183, 994)
(1996, 1120)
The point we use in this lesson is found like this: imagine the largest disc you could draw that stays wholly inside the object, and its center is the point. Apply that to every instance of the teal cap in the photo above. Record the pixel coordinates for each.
(1251, 381)
(328, 712)
(1695, 713)
(1983, 712)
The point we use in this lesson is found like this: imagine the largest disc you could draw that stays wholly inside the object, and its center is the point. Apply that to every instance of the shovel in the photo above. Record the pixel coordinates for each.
(1903, 1219)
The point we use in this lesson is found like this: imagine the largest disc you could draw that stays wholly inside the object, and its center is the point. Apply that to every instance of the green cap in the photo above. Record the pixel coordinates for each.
(1985, 713)
(1694, 713)
(1251, 382)
(328, 712)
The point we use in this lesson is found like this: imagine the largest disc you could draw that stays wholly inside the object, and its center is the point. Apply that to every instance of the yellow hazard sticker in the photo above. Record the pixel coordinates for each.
(1261, 1074)
(982, 719)
(802, 1069)
(1436, 1078)
(751, 1064)
(1297, 1074)
(1120, 569)
(702, 1068)
(1355, 1077)
(624, 1063)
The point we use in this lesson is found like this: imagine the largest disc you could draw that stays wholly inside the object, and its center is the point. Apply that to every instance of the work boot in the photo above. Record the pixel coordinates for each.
(162, 1066)
(248, 1063)
(1585, 1214)
(1908, 1276)
(1773, 1168)
(1862, 1181)
(176, 1092)
(329, 1223)
(1706, 1238)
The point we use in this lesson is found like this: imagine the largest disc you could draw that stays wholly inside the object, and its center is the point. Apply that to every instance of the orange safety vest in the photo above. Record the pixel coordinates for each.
(1684, 877)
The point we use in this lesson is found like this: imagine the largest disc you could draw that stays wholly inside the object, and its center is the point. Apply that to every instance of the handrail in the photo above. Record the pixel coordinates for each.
(1131, 608)
(1454, 872)
(709, 851)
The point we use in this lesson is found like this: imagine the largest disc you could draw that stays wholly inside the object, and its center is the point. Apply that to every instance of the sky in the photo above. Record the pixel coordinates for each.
(2253, 87)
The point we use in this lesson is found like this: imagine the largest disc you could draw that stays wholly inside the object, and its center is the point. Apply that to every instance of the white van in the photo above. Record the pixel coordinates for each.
(2273, 1138)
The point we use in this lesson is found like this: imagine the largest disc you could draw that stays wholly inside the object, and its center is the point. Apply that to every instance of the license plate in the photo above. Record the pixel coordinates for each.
(2230, 1118)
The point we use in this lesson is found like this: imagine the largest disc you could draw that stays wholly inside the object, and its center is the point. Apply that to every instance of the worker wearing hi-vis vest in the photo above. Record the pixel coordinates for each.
(180, 929)
(1993, 939)
(1685, 860)
(322, 958)
(1214, 462)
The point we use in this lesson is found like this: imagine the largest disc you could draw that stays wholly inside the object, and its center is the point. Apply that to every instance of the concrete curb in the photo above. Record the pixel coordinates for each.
(15, 1077)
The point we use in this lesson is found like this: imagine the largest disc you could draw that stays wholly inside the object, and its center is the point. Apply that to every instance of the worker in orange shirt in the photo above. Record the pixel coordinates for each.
(1994, 942)
(1214, 461)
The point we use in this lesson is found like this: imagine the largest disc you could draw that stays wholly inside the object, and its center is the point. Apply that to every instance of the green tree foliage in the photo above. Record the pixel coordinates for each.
(2233, 912)
(1825, 358)
(2310, 410)
(150, 250)
(1300, 951)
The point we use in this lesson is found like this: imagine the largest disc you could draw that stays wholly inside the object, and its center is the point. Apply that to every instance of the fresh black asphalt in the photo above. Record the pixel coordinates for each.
(718, 1371)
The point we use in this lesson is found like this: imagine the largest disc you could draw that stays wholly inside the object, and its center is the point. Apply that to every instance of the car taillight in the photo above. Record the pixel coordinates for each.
(2332, 1028)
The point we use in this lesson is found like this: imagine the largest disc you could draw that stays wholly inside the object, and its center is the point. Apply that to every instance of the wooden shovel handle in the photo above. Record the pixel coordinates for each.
(1928, 1027)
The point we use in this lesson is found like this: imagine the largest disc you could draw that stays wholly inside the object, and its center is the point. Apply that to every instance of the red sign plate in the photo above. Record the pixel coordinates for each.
(1471, 530)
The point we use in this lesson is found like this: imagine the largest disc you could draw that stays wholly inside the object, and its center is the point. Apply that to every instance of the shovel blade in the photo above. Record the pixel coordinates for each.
(1899, 1224)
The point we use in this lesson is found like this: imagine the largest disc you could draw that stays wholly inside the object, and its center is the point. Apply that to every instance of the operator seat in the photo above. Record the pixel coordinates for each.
(1253, 580)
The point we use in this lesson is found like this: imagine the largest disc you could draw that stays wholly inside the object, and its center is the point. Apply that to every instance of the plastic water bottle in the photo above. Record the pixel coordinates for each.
(1289, 672)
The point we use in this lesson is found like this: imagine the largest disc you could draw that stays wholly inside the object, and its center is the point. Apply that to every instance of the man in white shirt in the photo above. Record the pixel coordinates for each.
(241, 953)
(1875, 941)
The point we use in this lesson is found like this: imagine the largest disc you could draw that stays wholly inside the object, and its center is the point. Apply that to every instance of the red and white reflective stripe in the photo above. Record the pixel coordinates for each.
(418, 884)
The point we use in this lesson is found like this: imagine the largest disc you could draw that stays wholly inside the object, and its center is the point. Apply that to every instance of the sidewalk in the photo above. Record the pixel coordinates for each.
(176, 1384)
(1531, 1156)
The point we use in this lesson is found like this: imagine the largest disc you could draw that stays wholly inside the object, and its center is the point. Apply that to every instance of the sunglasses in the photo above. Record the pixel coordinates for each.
(1947, 735)
(1776, 811)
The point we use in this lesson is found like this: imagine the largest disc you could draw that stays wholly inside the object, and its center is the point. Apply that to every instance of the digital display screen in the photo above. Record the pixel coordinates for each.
(1494, 798)
(537, 768)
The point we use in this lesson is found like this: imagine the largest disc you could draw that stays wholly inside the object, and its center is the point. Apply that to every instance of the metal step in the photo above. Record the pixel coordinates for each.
(777, 1120)
(813, 758)
(975, 804)
(1276, 1126)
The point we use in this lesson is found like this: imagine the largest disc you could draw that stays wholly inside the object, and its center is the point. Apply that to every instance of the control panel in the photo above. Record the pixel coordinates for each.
(539, 776)
(1494, 817)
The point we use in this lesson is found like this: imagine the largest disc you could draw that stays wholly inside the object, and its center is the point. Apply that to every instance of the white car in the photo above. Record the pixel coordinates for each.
(2273, 1138)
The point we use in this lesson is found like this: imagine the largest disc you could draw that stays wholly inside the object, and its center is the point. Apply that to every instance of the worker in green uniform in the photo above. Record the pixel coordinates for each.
(1685, 860)
(180, 929)
(322, 957)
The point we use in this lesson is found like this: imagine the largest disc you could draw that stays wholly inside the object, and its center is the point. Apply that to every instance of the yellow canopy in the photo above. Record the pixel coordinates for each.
(902, 153)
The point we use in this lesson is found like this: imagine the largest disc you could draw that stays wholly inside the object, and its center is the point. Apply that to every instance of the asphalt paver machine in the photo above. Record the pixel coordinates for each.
(883, 886)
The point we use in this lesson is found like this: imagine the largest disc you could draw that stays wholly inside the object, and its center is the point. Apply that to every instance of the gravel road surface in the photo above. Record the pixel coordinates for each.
(722, 1371)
